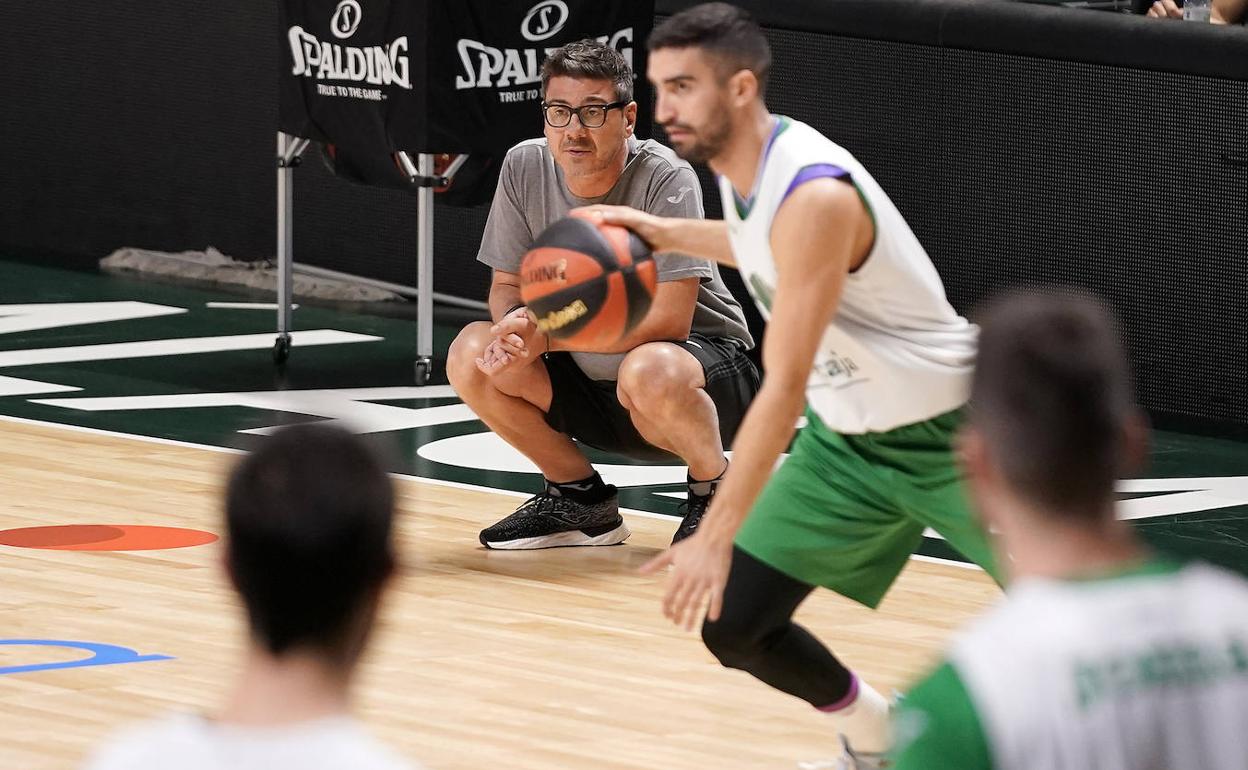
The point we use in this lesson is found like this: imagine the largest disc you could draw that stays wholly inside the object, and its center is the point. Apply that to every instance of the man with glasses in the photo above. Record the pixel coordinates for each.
(676, 386)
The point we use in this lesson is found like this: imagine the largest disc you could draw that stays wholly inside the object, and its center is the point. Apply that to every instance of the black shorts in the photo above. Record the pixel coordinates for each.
(590, 411)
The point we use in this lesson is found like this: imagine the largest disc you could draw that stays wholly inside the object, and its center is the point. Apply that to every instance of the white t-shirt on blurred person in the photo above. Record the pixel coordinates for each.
(191, 742)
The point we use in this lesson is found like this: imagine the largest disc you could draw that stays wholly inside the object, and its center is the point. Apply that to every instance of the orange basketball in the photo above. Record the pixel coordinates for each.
(587, 283)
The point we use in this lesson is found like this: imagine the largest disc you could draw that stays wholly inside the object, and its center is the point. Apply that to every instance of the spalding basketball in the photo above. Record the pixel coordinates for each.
(587, 283)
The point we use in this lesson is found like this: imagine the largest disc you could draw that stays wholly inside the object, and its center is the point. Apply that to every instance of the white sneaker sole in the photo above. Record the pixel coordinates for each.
(563, 540)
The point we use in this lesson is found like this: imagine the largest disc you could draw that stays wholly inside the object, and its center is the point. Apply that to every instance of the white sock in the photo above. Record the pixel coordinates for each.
(863, 718)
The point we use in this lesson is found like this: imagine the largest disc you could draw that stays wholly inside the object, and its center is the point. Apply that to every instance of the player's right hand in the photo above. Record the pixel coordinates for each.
(647, 226)
(699, 572)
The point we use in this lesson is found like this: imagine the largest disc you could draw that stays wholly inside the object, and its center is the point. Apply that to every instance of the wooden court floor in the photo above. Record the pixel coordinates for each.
(548, 659)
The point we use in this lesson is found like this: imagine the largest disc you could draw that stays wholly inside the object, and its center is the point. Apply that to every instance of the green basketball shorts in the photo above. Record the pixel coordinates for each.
(846, 511)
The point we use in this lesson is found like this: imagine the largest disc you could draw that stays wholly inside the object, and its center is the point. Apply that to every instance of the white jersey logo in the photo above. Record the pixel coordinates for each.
(680, 196)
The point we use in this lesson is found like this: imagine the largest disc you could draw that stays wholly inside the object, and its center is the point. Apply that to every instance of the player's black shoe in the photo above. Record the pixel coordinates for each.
(550, 520)
(691, 512)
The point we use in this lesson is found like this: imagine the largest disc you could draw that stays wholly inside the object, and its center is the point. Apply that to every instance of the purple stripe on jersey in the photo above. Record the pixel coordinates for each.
(816, 171)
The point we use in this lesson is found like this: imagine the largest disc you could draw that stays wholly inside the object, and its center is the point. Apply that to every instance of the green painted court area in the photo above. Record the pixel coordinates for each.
(158, 360)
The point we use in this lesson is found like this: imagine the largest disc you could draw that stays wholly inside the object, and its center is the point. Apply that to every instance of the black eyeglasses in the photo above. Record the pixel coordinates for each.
(590, 115)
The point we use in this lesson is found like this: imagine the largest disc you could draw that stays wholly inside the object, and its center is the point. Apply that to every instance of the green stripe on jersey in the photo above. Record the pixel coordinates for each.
(937, 727)
(744, 206)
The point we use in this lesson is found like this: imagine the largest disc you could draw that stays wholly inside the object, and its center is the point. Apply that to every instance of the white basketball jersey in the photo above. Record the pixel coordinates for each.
(896, 352)
(1128, 673)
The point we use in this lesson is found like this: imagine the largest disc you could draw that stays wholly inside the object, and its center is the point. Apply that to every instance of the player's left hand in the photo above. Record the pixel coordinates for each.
(700, 565)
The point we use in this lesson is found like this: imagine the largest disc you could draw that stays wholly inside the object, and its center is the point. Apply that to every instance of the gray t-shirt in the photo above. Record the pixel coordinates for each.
(531, 195)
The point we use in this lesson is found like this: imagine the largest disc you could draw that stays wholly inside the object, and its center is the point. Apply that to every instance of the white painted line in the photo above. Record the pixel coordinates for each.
(15, 386)
(245, 306)
(118, 434)
(351, 408)
(174, 347)
(422, 479)
(55, 315)
(950, 562)
(229, 450)
(299, 401)
(480, 452)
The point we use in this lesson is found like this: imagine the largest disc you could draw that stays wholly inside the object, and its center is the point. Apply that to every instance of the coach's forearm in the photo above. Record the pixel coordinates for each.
(504, 297)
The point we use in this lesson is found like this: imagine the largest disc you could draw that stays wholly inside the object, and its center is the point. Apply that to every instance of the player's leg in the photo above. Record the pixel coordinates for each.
(928, 485)
(689, 398)
(756, 634)
(575, 507)
(821, 521)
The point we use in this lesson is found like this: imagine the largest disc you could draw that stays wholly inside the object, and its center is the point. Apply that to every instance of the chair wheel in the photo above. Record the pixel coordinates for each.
(281, 350)
(424, 371)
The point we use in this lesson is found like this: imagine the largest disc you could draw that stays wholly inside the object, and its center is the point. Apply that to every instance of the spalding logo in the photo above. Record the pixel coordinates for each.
(557, 319)
(555, 271)
(346, 19)
(544, 20)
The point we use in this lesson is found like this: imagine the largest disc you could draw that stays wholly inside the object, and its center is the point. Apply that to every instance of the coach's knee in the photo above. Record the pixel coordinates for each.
(657, 375)
(461, 359)
(734, 642)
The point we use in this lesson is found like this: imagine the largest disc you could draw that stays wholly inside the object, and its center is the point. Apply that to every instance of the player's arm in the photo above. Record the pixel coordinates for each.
(936, 727)
(702, 238)
(816, 239)
(821, 232)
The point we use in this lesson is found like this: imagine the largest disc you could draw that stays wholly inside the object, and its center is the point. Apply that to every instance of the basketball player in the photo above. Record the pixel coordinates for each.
(1104, 655)
(309, 553)
(858, 329)
(676, 386)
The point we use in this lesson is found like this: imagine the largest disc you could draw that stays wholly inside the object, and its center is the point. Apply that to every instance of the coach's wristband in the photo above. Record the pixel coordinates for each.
(513, 309)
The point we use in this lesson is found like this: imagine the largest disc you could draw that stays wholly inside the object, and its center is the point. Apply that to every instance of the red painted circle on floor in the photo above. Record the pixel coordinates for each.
(102, 537)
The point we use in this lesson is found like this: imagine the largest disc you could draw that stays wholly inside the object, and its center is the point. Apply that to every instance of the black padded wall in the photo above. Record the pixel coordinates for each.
(1024, 144)
(1016, 170)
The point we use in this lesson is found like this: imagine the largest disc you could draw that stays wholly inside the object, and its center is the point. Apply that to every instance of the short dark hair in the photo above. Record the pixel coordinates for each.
(1051, 396)
(590, 59)
(309, 517)
(725, 31)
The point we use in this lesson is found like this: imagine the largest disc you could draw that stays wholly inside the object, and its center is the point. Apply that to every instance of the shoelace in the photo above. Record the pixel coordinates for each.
(545, 502)
(691, 511)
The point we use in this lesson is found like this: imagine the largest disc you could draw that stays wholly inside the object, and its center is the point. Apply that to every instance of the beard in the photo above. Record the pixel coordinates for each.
(704, 145)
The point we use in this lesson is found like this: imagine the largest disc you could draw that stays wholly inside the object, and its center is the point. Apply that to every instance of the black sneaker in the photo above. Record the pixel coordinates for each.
(691, 512)
(549, 521)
